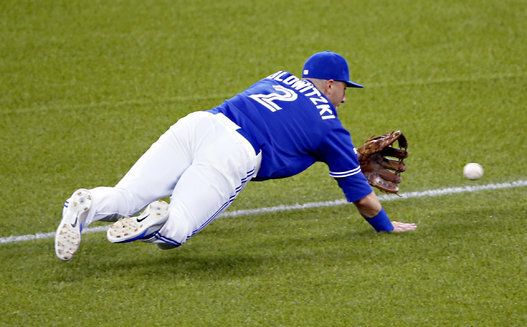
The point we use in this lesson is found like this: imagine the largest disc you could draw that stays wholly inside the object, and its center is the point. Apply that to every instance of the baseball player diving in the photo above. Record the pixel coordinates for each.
(276, 128)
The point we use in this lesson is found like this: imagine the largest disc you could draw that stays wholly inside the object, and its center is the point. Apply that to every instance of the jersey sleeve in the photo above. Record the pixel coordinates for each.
(338, 152)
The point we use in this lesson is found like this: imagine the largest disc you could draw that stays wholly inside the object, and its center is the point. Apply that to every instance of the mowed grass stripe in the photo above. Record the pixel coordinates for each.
(281, 208)
(183, 98)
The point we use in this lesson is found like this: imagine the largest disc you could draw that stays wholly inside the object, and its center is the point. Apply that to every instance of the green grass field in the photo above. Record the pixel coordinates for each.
(87, 86)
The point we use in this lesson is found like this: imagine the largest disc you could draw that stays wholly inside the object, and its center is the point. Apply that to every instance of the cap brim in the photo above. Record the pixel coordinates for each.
(353, 84)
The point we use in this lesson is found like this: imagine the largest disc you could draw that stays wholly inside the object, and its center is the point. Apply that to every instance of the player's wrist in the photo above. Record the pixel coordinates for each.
(380, 222)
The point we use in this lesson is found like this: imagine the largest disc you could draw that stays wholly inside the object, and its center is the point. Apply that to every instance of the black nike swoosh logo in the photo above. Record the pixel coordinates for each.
(140, 220)
(75, 223)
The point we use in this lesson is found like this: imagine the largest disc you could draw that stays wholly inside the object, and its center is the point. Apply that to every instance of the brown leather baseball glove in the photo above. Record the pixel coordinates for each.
(382, 162)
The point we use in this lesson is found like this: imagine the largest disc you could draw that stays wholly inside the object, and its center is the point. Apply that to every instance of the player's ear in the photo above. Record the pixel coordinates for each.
(329, 84)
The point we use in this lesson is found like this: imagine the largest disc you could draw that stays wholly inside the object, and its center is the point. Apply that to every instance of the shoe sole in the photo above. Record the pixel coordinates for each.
(68, 235)
(130, 229)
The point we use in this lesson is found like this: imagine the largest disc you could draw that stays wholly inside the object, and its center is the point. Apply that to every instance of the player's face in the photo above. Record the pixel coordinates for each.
(337, 92)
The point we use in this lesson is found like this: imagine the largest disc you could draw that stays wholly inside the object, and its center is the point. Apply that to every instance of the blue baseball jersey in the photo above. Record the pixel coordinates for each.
(295, 125)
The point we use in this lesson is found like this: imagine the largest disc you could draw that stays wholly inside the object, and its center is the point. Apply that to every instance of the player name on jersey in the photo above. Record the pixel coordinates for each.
(296, 86)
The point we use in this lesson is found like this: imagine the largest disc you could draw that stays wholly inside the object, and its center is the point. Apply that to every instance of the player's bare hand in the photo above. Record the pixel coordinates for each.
(399, 227)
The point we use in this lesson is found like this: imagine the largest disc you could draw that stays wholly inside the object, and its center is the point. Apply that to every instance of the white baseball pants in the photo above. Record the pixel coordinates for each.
(201, 162)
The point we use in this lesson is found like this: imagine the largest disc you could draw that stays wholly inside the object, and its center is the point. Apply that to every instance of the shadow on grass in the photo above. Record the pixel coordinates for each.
(161, 268)
(221, 254)
(199, 266)
(199, 259)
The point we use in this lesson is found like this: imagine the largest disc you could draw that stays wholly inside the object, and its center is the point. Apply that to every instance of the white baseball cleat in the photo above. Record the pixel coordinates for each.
(142, 227)
(74, 213)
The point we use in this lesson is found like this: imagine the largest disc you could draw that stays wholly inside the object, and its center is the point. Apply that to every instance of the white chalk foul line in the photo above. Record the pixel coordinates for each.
(281, 208)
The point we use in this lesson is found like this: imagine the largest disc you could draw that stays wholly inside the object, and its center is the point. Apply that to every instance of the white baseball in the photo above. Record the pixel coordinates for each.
(473, 170)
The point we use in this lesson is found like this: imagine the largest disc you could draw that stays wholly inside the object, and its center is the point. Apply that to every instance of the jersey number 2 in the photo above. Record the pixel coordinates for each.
(281, 94)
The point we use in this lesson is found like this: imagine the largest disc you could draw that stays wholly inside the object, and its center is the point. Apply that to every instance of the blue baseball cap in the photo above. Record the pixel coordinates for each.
(328, 65)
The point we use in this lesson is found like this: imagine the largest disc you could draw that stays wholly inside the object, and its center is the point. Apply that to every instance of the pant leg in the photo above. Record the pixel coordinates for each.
(152, 177)
(223, 164)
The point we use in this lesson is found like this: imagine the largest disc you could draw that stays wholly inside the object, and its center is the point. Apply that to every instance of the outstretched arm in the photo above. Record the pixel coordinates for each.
(371, 209)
